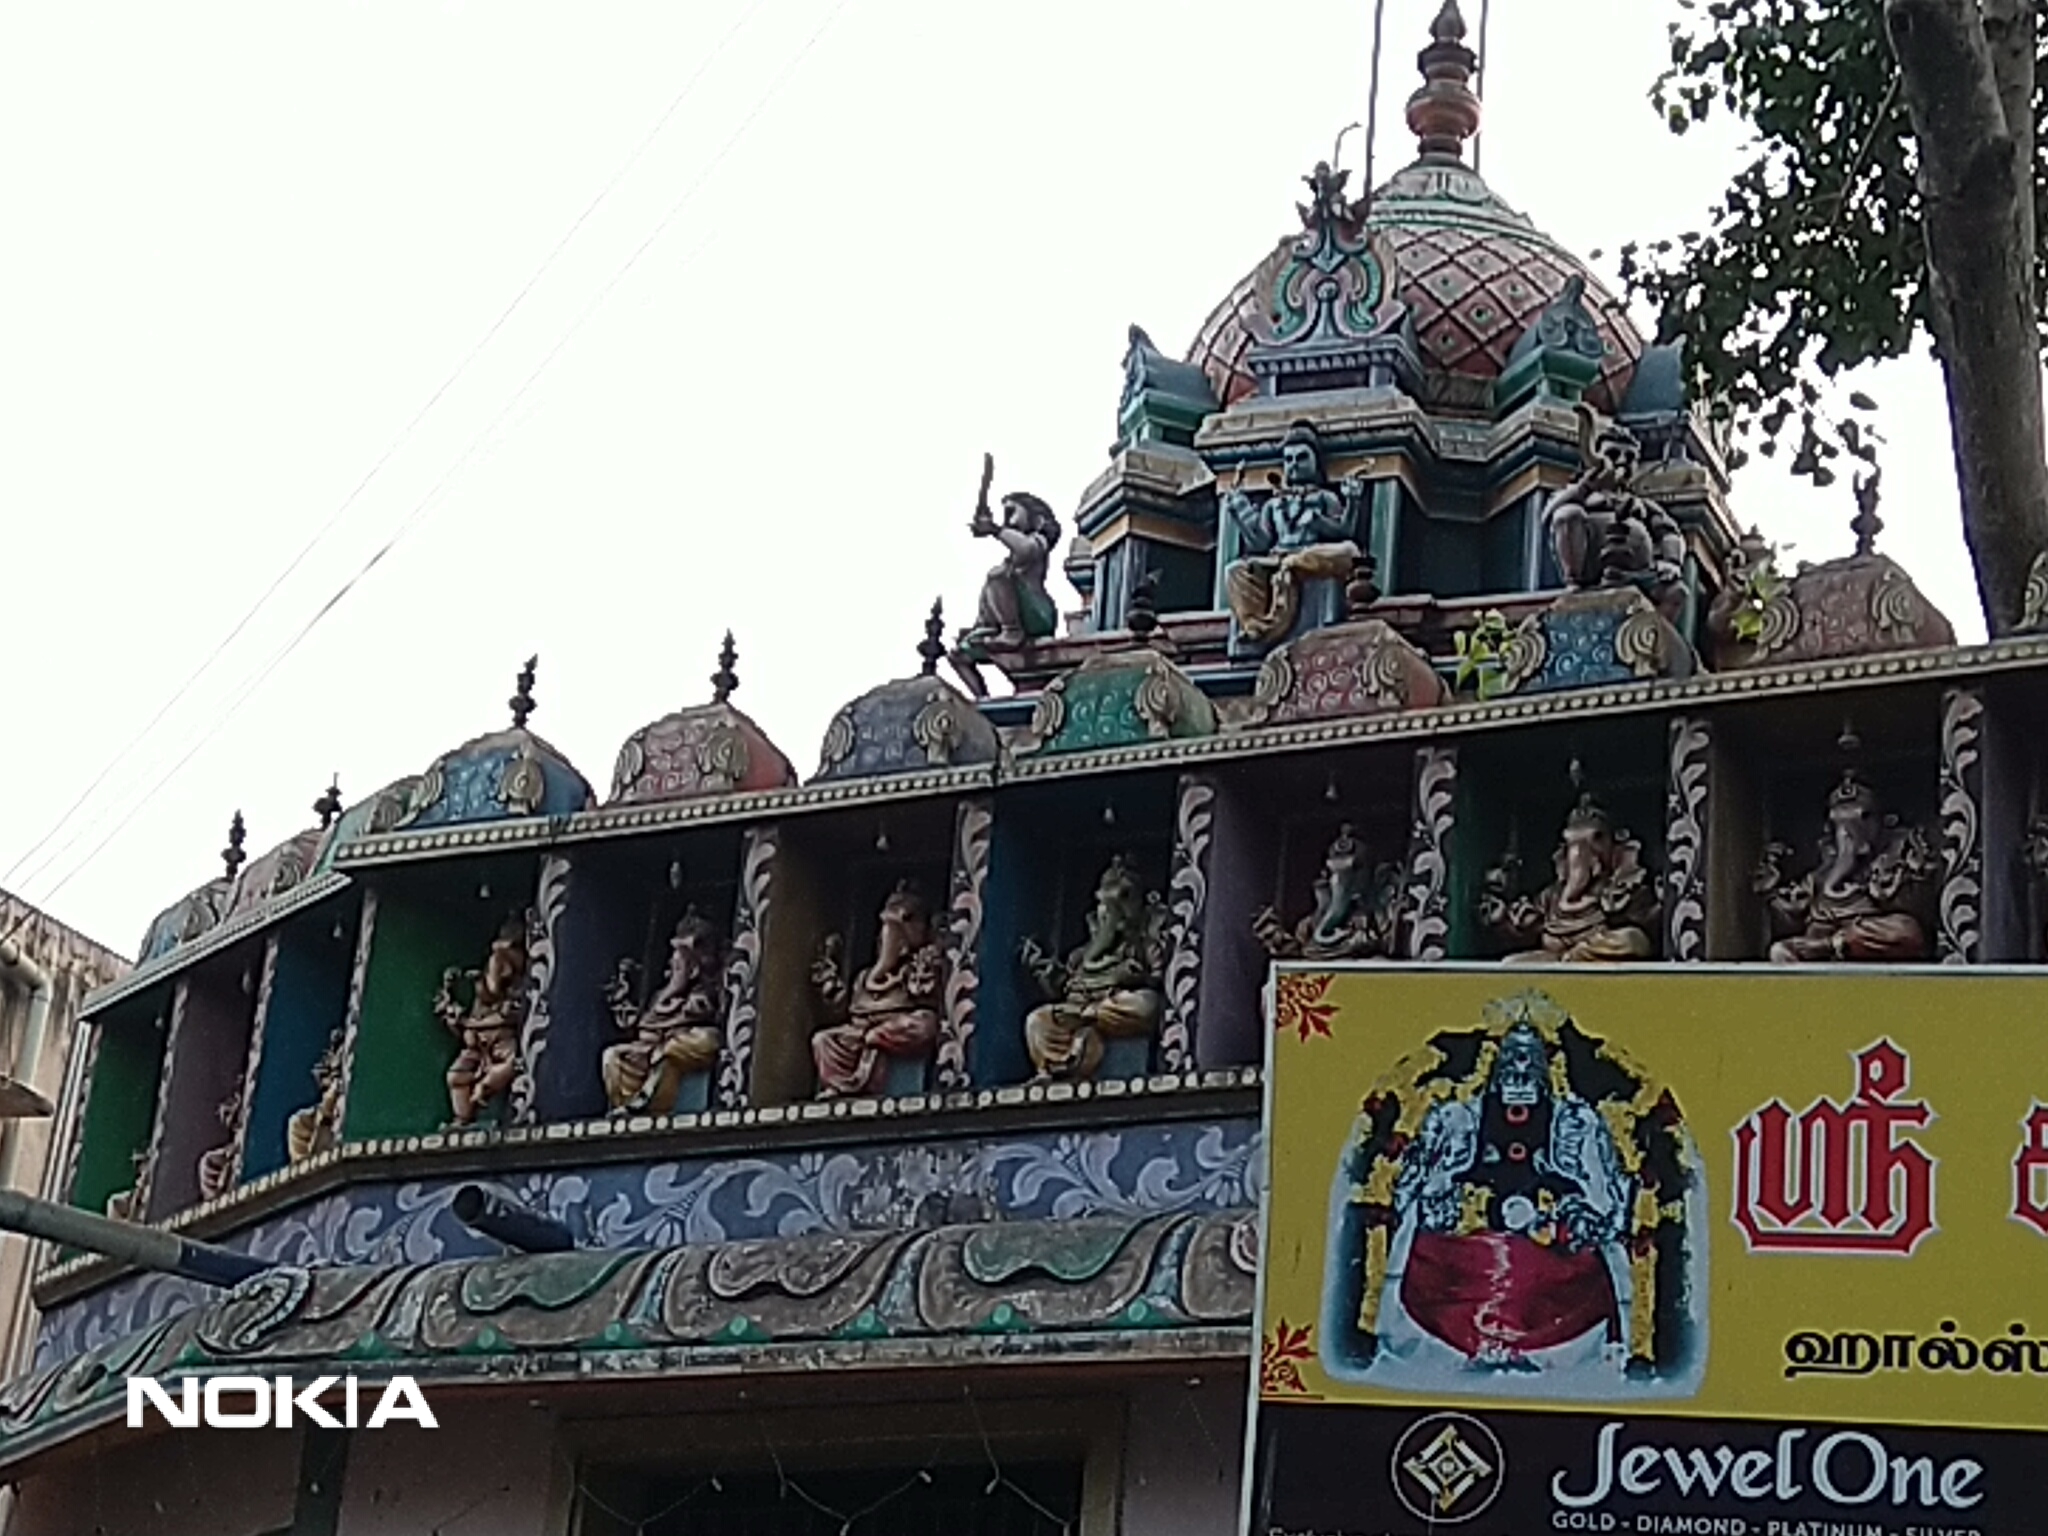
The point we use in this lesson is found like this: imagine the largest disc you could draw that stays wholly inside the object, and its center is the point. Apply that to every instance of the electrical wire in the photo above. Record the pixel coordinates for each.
(426, 502)
(404, 436)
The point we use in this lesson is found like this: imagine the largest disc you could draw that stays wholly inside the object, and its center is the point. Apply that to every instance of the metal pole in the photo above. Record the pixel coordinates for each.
(144, 1247)
(492, 1214)
(1479, 84)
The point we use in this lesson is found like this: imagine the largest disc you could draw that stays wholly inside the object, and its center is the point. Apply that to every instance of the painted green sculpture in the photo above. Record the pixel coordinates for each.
(1355, 913)
(488, 1024)
(679, 1030)
(1305, 528)
(1108, 989)
(1016, 608)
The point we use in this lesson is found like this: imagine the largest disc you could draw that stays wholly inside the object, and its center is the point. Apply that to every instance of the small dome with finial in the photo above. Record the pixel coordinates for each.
(501, 776)
(270, 875)
(909, 725)
(705, 749)
(377, 813)
(201, 911)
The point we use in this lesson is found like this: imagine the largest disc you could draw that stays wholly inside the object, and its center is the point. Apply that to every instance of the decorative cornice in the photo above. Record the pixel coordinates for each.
(706, 1133)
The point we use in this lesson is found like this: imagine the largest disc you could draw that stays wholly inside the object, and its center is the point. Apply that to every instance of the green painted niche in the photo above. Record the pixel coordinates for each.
(426, 921)
(120, 1106)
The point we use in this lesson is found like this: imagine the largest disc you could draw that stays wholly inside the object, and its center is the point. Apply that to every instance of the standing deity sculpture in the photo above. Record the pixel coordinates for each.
(1015, 606)
(317, 1127)
(1108, 989)
(1864, 900)
(217, 1166)
(1355, 912)
(1601, 904)
(890, 1011)
(677, 1032)
(126, 1204)
(488, 1024)
(1605, 534)
(1303, 528)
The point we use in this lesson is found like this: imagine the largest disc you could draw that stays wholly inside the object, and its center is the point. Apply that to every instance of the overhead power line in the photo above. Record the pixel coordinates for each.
(425, 503)
(404, 436)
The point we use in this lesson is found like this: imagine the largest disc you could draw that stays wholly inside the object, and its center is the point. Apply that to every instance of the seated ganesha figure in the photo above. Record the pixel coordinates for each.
(890, 1012)
(1864, 901)
(678, 1033)
(487, 1026)
(1601, 904)
(1108, 989)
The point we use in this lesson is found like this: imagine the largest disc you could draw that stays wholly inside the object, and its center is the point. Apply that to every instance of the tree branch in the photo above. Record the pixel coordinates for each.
(1977, 187)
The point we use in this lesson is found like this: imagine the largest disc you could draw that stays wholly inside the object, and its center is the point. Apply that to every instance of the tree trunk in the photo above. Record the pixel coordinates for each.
(1963, 64)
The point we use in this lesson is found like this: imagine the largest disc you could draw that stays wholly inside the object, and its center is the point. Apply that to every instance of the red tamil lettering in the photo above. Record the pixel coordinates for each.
(2030, 1172)
(1842, 1178)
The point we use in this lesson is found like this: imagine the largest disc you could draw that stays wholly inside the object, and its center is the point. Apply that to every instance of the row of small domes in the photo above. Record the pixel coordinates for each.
(706, 749)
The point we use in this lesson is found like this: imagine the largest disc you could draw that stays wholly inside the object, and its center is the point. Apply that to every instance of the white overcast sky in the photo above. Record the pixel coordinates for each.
(248, 242)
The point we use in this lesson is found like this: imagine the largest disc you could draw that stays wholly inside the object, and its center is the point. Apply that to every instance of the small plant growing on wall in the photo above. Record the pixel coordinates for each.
(1480, 652)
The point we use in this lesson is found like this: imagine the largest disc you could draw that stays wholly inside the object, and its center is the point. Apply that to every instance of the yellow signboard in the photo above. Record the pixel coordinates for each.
(1741, 1194)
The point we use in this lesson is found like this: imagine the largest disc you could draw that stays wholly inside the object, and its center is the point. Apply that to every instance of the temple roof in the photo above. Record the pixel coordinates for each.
(1473, 272)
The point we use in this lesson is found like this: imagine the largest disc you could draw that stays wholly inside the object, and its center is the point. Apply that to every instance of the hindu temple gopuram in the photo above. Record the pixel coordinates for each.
(719, 1143)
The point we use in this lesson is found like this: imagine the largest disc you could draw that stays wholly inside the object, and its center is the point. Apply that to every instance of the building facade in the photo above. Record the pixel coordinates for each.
(741, 1151)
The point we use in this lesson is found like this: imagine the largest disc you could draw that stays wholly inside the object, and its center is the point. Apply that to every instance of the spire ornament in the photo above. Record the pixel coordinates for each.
(725, 681)
(233, 857)
(521, 702)
(329, 805)
(932, 649)
(1867, 525)
(1445, 112)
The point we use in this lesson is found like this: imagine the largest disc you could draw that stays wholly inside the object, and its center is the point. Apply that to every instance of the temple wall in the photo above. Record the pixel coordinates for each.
(1183, 1451)
(177, 1483)
(489, 1470)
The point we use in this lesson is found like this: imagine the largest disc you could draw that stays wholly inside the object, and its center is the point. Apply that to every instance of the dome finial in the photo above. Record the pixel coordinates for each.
(1445, 112)
(522, 700)
(725, 680)
(232, 857)
(932, 649)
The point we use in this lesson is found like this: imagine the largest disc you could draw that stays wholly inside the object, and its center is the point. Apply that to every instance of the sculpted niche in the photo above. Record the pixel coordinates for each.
(1108, 989)
(487, 1024)
(1865, 898)
(1354, 914)
(1601, 903)
(677, 1032)
(890, 1011)
(1302, 529)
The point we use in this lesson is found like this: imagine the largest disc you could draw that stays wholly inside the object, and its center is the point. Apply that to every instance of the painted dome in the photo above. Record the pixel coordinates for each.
(380, 812)
(499, 777)
(709, 749)
(1473, 272)
(201, 911)
(908, 725)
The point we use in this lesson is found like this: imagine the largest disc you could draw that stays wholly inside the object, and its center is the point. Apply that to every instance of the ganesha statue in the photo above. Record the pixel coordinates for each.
(217, 1165)
(890, 1011)
(487, 1024)
(1601, 903)
(676, 1033)
(1865, 900)
(1354, 915)
(1108, 989)
(317, 1127)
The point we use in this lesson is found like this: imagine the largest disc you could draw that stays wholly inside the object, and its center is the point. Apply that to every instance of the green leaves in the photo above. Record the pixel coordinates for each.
(1812, 261)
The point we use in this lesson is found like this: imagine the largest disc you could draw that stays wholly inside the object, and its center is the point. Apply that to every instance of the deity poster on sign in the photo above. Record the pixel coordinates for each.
(1648, 1249)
